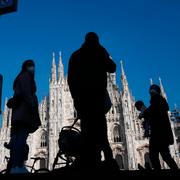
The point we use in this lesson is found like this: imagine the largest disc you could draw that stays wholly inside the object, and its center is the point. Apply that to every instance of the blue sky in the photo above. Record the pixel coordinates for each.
(145, 34)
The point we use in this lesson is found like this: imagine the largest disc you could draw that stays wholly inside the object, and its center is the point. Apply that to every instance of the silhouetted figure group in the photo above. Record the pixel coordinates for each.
(87, 79)
(158, 128)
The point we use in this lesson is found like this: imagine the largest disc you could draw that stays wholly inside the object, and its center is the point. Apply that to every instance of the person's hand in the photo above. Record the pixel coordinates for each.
(10, 103)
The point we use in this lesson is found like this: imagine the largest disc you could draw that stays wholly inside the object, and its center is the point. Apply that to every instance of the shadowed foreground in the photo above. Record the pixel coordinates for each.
(65, 173)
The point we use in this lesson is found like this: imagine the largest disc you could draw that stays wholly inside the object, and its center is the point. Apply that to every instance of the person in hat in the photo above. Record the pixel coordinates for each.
(25, 116)
(161, 133)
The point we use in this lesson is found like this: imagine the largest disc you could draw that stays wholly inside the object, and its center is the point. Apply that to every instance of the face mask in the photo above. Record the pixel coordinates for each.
(31, 69)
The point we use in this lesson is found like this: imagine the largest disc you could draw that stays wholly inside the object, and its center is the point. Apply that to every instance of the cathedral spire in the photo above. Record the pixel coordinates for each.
(5, 114)
(53, 70)
(60, 69)
(122, 69)
(123, 77)
(162, 89)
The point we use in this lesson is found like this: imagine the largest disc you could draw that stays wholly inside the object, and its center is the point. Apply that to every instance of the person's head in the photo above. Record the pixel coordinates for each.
(91, 38)
(154, 90)
(28, 66)
(139, 105)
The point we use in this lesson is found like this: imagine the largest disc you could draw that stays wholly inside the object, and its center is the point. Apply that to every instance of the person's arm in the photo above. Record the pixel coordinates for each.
(146, 113)
(109, 63)
(26, 90)
(165, 105)
(71, 75)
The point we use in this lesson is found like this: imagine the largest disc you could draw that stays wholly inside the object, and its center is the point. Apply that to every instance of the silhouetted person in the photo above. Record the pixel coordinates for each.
(87, 79)
(140, 106)
(25, 116)
(161, 132)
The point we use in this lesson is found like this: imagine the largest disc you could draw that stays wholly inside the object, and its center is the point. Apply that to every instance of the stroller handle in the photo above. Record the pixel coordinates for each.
(71, 128)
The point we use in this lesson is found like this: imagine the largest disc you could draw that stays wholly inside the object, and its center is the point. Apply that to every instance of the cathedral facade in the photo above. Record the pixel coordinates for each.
(56, 110)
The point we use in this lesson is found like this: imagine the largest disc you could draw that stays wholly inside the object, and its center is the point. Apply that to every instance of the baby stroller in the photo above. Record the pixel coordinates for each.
(69, 145)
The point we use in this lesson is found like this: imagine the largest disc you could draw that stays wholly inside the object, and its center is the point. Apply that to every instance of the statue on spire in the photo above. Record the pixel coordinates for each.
(53, 70)
(123, 77)
(151, 81)
(60, 68)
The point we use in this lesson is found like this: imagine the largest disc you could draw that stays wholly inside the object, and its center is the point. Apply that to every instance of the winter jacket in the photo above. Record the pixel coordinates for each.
(25, 112)
(159, 120)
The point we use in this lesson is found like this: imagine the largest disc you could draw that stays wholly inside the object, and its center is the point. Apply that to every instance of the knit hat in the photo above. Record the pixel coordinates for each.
(155, 89)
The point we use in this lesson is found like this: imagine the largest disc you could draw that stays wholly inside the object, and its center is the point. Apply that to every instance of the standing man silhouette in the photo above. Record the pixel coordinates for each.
(87, 79)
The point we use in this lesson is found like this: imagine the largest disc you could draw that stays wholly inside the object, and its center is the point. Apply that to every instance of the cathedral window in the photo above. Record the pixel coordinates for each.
(138, 127)
(44, 139)
(126, 103)
(127, 125)
(53, 103)
(147, 160)
(43, 163)
(75, 113)
(117, 134)
(119, 160)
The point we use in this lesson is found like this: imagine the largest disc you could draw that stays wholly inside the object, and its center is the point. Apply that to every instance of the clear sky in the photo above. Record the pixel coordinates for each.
(145, 34)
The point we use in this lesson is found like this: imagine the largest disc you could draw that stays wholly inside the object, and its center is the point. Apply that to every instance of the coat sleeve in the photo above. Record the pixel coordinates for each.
(147, 113)
(26, 90)
(109, 63)
(165, 105)
(71, 75)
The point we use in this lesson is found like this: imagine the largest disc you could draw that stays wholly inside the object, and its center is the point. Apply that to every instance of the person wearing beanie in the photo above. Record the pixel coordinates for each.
(161, 136)
(25, 117)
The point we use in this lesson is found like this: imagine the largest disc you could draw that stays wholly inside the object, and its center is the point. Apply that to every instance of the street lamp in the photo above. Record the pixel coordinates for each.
(8, 6)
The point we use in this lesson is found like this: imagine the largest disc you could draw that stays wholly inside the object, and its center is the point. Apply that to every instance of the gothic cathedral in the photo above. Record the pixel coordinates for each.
(56, 110)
